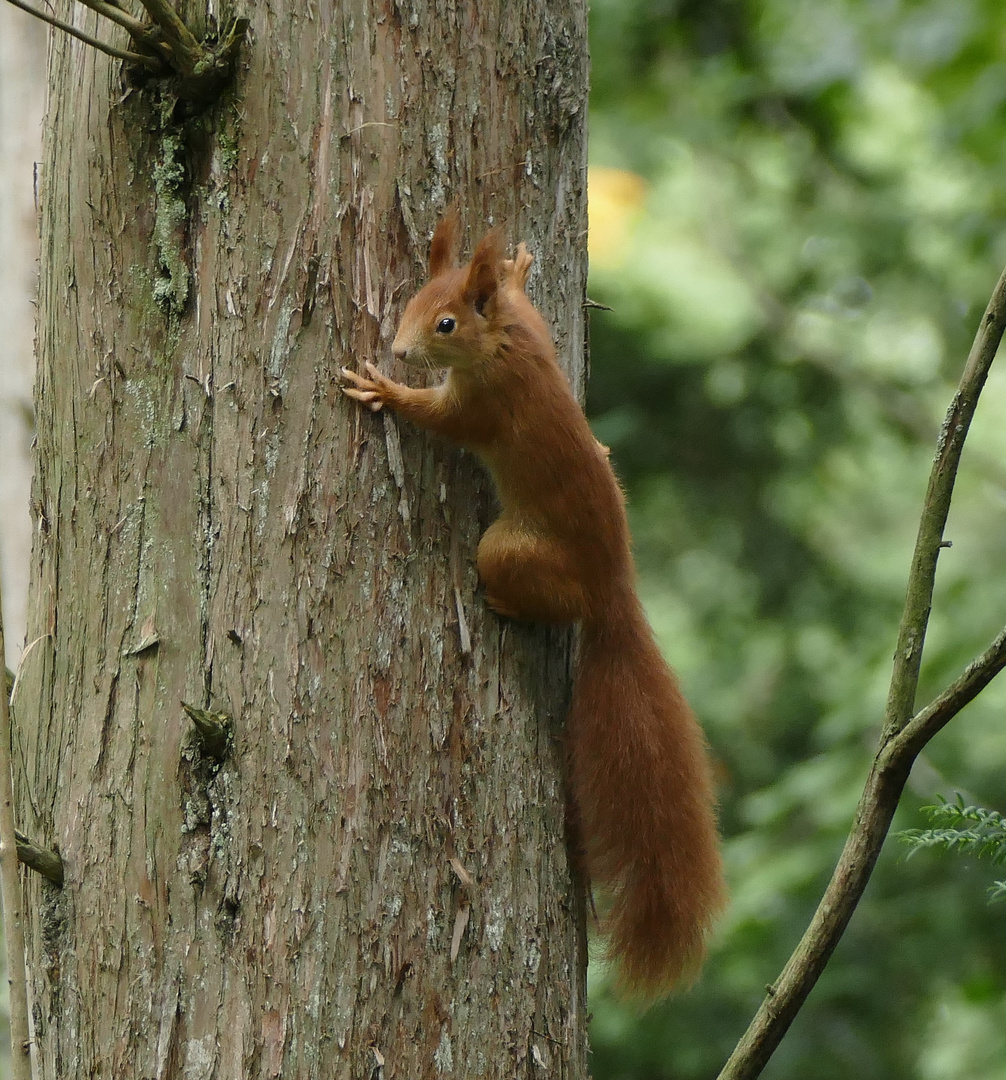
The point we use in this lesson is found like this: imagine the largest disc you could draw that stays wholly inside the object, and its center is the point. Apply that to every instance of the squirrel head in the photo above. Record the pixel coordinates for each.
(452, 321)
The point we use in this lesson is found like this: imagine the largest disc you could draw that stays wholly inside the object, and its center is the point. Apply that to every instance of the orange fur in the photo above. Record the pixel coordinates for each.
(639, 777)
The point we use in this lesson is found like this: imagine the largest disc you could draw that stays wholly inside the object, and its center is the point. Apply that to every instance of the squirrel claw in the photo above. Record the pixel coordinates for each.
(368, 397)
(365, 390)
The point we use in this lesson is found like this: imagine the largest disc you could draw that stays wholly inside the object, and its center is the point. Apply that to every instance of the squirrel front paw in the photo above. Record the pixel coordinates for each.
(373, 392)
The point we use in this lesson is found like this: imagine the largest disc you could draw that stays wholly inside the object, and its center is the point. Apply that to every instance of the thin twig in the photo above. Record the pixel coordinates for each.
(10, 881)
(187, 52)
(133, 26)
(903, 736)
(119, 54)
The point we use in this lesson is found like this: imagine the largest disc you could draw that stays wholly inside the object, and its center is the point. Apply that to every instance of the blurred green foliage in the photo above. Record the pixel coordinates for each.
(797, 216)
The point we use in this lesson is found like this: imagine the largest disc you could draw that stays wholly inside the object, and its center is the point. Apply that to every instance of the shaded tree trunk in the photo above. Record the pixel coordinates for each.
(22, 57)
(374, 882)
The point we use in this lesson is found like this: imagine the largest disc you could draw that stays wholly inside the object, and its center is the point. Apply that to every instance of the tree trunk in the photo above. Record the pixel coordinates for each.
(374, 882)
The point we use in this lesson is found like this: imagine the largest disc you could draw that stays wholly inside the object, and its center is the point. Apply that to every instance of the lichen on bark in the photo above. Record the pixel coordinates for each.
(171, 285)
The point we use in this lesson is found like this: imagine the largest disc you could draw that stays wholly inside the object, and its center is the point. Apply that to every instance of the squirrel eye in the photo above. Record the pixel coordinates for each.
(446, 326)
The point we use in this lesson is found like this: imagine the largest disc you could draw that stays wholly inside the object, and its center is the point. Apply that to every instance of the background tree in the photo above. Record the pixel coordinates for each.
(373, 880)
(22, 93)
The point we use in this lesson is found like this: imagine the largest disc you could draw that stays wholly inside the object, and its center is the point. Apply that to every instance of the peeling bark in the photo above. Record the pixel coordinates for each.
(373, 882)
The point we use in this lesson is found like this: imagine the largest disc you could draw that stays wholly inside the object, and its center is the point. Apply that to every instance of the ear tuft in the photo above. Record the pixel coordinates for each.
(446, 237)
(483, 273)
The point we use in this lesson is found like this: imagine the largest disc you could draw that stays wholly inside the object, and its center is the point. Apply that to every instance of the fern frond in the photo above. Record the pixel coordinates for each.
(967, 830)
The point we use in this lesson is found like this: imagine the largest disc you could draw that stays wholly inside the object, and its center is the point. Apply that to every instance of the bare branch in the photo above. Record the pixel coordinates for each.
(116, 14)
(914, 620)
(969, 684)
(42, 860)
(110, 50)
(903, 735)
(186, 50)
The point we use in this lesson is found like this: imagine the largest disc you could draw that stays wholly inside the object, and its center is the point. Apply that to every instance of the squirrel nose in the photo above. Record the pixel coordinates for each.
(400, 352)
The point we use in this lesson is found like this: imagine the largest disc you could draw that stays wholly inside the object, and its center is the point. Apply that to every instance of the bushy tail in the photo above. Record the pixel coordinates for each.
(643, 804)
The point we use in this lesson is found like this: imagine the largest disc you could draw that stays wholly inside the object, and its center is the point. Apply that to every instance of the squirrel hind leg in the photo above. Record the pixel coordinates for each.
(528, 576)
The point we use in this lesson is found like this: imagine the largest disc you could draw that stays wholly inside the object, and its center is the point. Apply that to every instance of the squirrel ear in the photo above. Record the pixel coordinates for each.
(444, 247)
(480, 288)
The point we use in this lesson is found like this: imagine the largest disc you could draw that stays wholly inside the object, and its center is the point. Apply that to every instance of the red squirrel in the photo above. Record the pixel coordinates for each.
(639, 778)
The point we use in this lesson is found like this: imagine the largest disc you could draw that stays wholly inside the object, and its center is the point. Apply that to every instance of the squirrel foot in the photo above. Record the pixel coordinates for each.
(518, 268)
(373, 392)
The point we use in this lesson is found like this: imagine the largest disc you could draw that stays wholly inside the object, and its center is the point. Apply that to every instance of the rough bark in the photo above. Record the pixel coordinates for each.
(374, 882)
